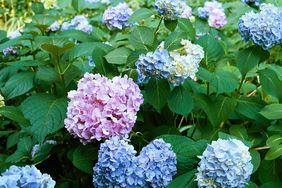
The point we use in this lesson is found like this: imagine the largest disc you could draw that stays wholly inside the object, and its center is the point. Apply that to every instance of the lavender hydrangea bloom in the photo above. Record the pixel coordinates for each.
(10, 51)
(251, 2)
(173, 9)
(102, 108)
(117, 166)
(214, 12)
(117, 17)
(25, 177)
(78, 23)
(158, 162)
(263, 28)
(14, 34)
(176, 66)
(98, 1)
(225, 163)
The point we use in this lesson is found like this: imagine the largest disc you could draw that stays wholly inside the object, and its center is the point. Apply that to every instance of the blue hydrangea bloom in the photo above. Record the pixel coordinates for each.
(54, 26)
(117, 17)
(170, 9)
(175, 66)
(78, 23)
(10, 51)
(158, 161)
(90, 61)
(263, 28)
(203, 12)
(117, 166)
(225, 164)
(98, 1)
(251, 2)
(25, 177)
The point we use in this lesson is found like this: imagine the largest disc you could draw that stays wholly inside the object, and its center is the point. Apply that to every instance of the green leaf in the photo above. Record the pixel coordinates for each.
(77, 35)
(157, 93)
(23, 150)
(247, 59)
(15, 114)
(140, 14)
(118, 56)
(239, 131)
(270, 171)
(184, 181)
(170, 24)
(142, 38)
(180, 101)
(274, 152)
(272, 111)
(18, 84)
(218, 108)
(27, 63)
(255, 159)
(84, 158)
(270, 83)
(47, 73)
(173, 40)
(43, 152)
(274, 140)
(272, 185)
(46, 114)
(213, 49)
(186, 26)
(186, 150)
(252, 185)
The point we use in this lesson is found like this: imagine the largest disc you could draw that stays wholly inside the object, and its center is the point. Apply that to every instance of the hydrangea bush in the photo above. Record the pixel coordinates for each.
(141, 93)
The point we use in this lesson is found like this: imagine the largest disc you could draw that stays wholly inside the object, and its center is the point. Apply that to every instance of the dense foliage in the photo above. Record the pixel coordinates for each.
(141, 93)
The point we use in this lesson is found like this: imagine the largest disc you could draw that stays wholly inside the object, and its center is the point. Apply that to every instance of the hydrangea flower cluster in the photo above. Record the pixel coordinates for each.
(263, 28)
(10, 51)
(119, 167)
(173, 9)
(102, 108)
(14, 34)
(214, 12)
(27, 176)
(117, 17)
(176, 66)
(225, 163)
(251, 2)
(79, 22)
(98, 1)
(2, 102)
(158, 162)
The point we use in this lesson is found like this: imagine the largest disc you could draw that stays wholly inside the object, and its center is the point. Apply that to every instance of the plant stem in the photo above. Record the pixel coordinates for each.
(262, 148)
(158, 27)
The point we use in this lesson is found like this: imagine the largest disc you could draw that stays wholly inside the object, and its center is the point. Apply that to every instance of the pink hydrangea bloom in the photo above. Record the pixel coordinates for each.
(102, 108)
(217, 18)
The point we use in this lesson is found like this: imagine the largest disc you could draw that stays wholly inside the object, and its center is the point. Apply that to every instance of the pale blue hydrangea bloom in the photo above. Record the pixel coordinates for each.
(203, 12)
(251, 2)
(176, 66)
(117, 17)
(14, 34)
(79, 22)
(25, 177)
(263, 28)
(225, 164)
(116, 166)
(90, 61)
(173, 9)
(98, 1)
(54, 26)
(158, 161)
(10, 51)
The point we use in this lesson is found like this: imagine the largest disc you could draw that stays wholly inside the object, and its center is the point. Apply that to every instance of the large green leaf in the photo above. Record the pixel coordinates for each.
(46, 114)
(140, 14)
(23, 150)
(184, 181)
(247, 59)
(18, 84)
(142, 38)
(218, 108)
(271, 83)
(186, 26)
(157, 93)
(118, 56)
(186, 150)
(274, 140)
(274, 152)
(213, 49)
(180, 101)
(272, 111)
(173, 40)
(84, 158)
(14, 114)
(255, 159)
